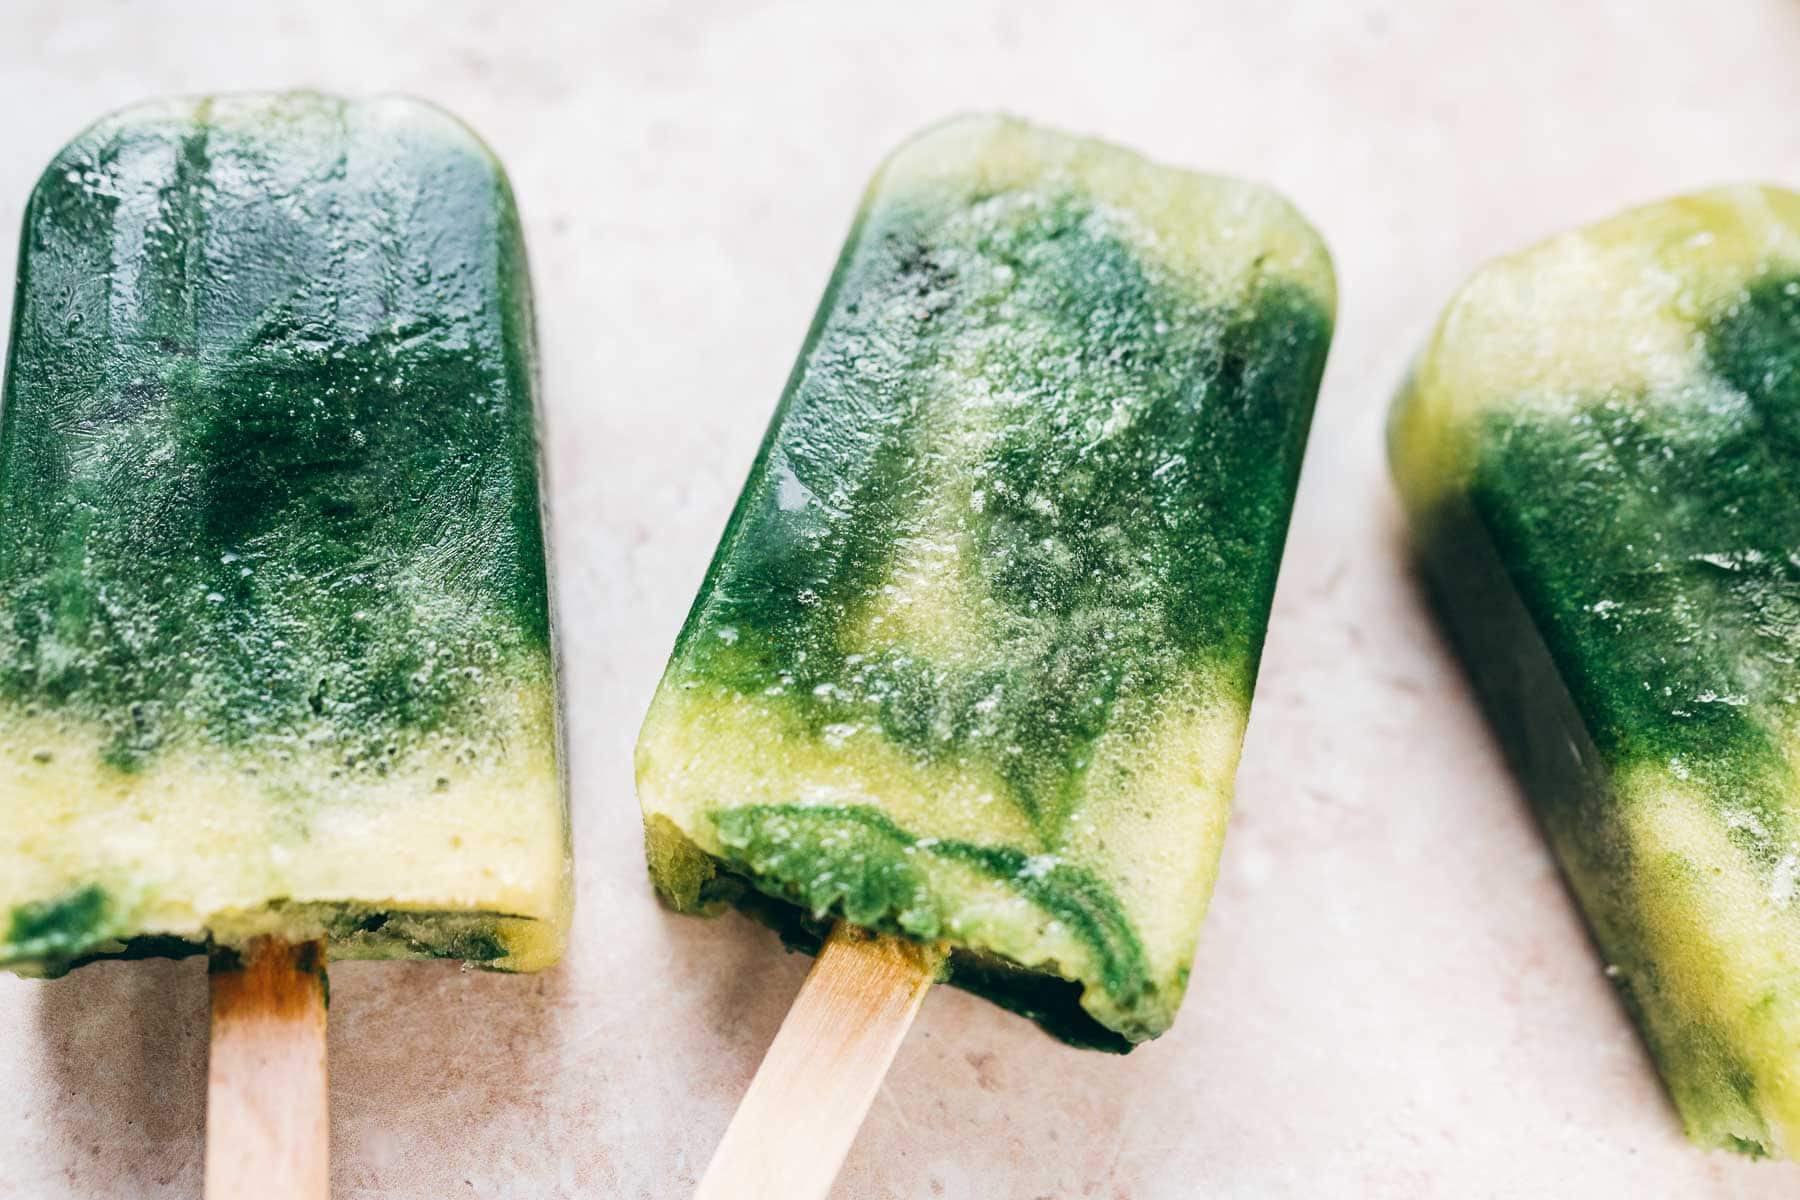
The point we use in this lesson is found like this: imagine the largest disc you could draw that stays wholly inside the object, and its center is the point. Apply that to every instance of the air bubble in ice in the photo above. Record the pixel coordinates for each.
(1781, 885)
(790, 494)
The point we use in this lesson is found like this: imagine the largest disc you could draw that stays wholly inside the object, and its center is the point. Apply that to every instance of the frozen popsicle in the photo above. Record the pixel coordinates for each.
(1599, 450)
(972, 663)
(275, 653)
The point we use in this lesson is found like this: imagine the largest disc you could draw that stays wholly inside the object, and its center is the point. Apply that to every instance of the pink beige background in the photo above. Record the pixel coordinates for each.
(1393, 996)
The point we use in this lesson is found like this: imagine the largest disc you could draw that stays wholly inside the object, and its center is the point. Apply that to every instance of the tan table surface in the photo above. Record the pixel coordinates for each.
(1393, 996)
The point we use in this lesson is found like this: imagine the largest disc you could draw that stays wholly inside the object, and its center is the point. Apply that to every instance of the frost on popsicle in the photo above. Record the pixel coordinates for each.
(1599, 448)
(274, 638)
(974, 657)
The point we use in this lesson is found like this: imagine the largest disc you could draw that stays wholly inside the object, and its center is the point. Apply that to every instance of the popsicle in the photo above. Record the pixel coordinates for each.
(1597, 449)
(971, 666)
(275, 648)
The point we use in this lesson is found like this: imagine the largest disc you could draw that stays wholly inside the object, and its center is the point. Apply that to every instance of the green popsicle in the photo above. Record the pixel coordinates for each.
(275, 652)
(973, 661)
(1598, 450)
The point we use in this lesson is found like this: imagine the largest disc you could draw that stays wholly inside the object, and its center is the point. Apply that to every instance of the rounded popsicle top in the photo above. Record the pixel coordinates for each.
(283, 123)
(1618, 308)
(270, 196)
(1212, 231)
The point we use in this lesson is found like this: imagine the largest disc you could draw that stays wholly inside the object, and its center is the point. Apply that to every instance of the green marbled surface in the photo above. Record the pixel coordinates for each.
(1618, 560)
(268, 473)
(1018, 516)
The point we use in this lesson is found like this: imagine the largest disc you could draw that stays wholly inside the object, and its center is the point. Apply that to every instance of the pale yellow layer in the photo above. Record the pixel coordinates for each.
(1202, 227)
(1723, 939)
(1614, 309)
(697, 755)
(1150, 823)
(199, 842)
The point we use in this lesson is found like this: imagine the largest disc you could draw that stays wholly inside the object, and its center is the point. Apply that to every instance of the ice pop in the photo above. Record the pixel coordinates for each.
(275, 651)
(1598, 449)
(973, 660)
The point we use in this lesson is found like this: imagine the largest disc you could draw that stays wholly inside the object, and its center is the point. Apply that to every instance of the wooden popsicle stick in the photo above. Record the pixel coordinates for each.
(266, 1124)
(795, 1125)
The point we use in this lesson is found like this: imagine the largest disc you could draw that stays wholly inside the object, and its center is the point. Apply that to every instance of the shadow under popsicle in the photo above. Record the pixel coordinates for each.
(127, 1053)
(437, 1074)
(1431, 607)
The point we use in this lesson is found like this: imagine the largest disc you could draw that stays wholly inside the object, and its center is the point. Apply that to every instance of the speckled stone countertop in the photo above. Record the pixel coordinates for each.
(1393, 996)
